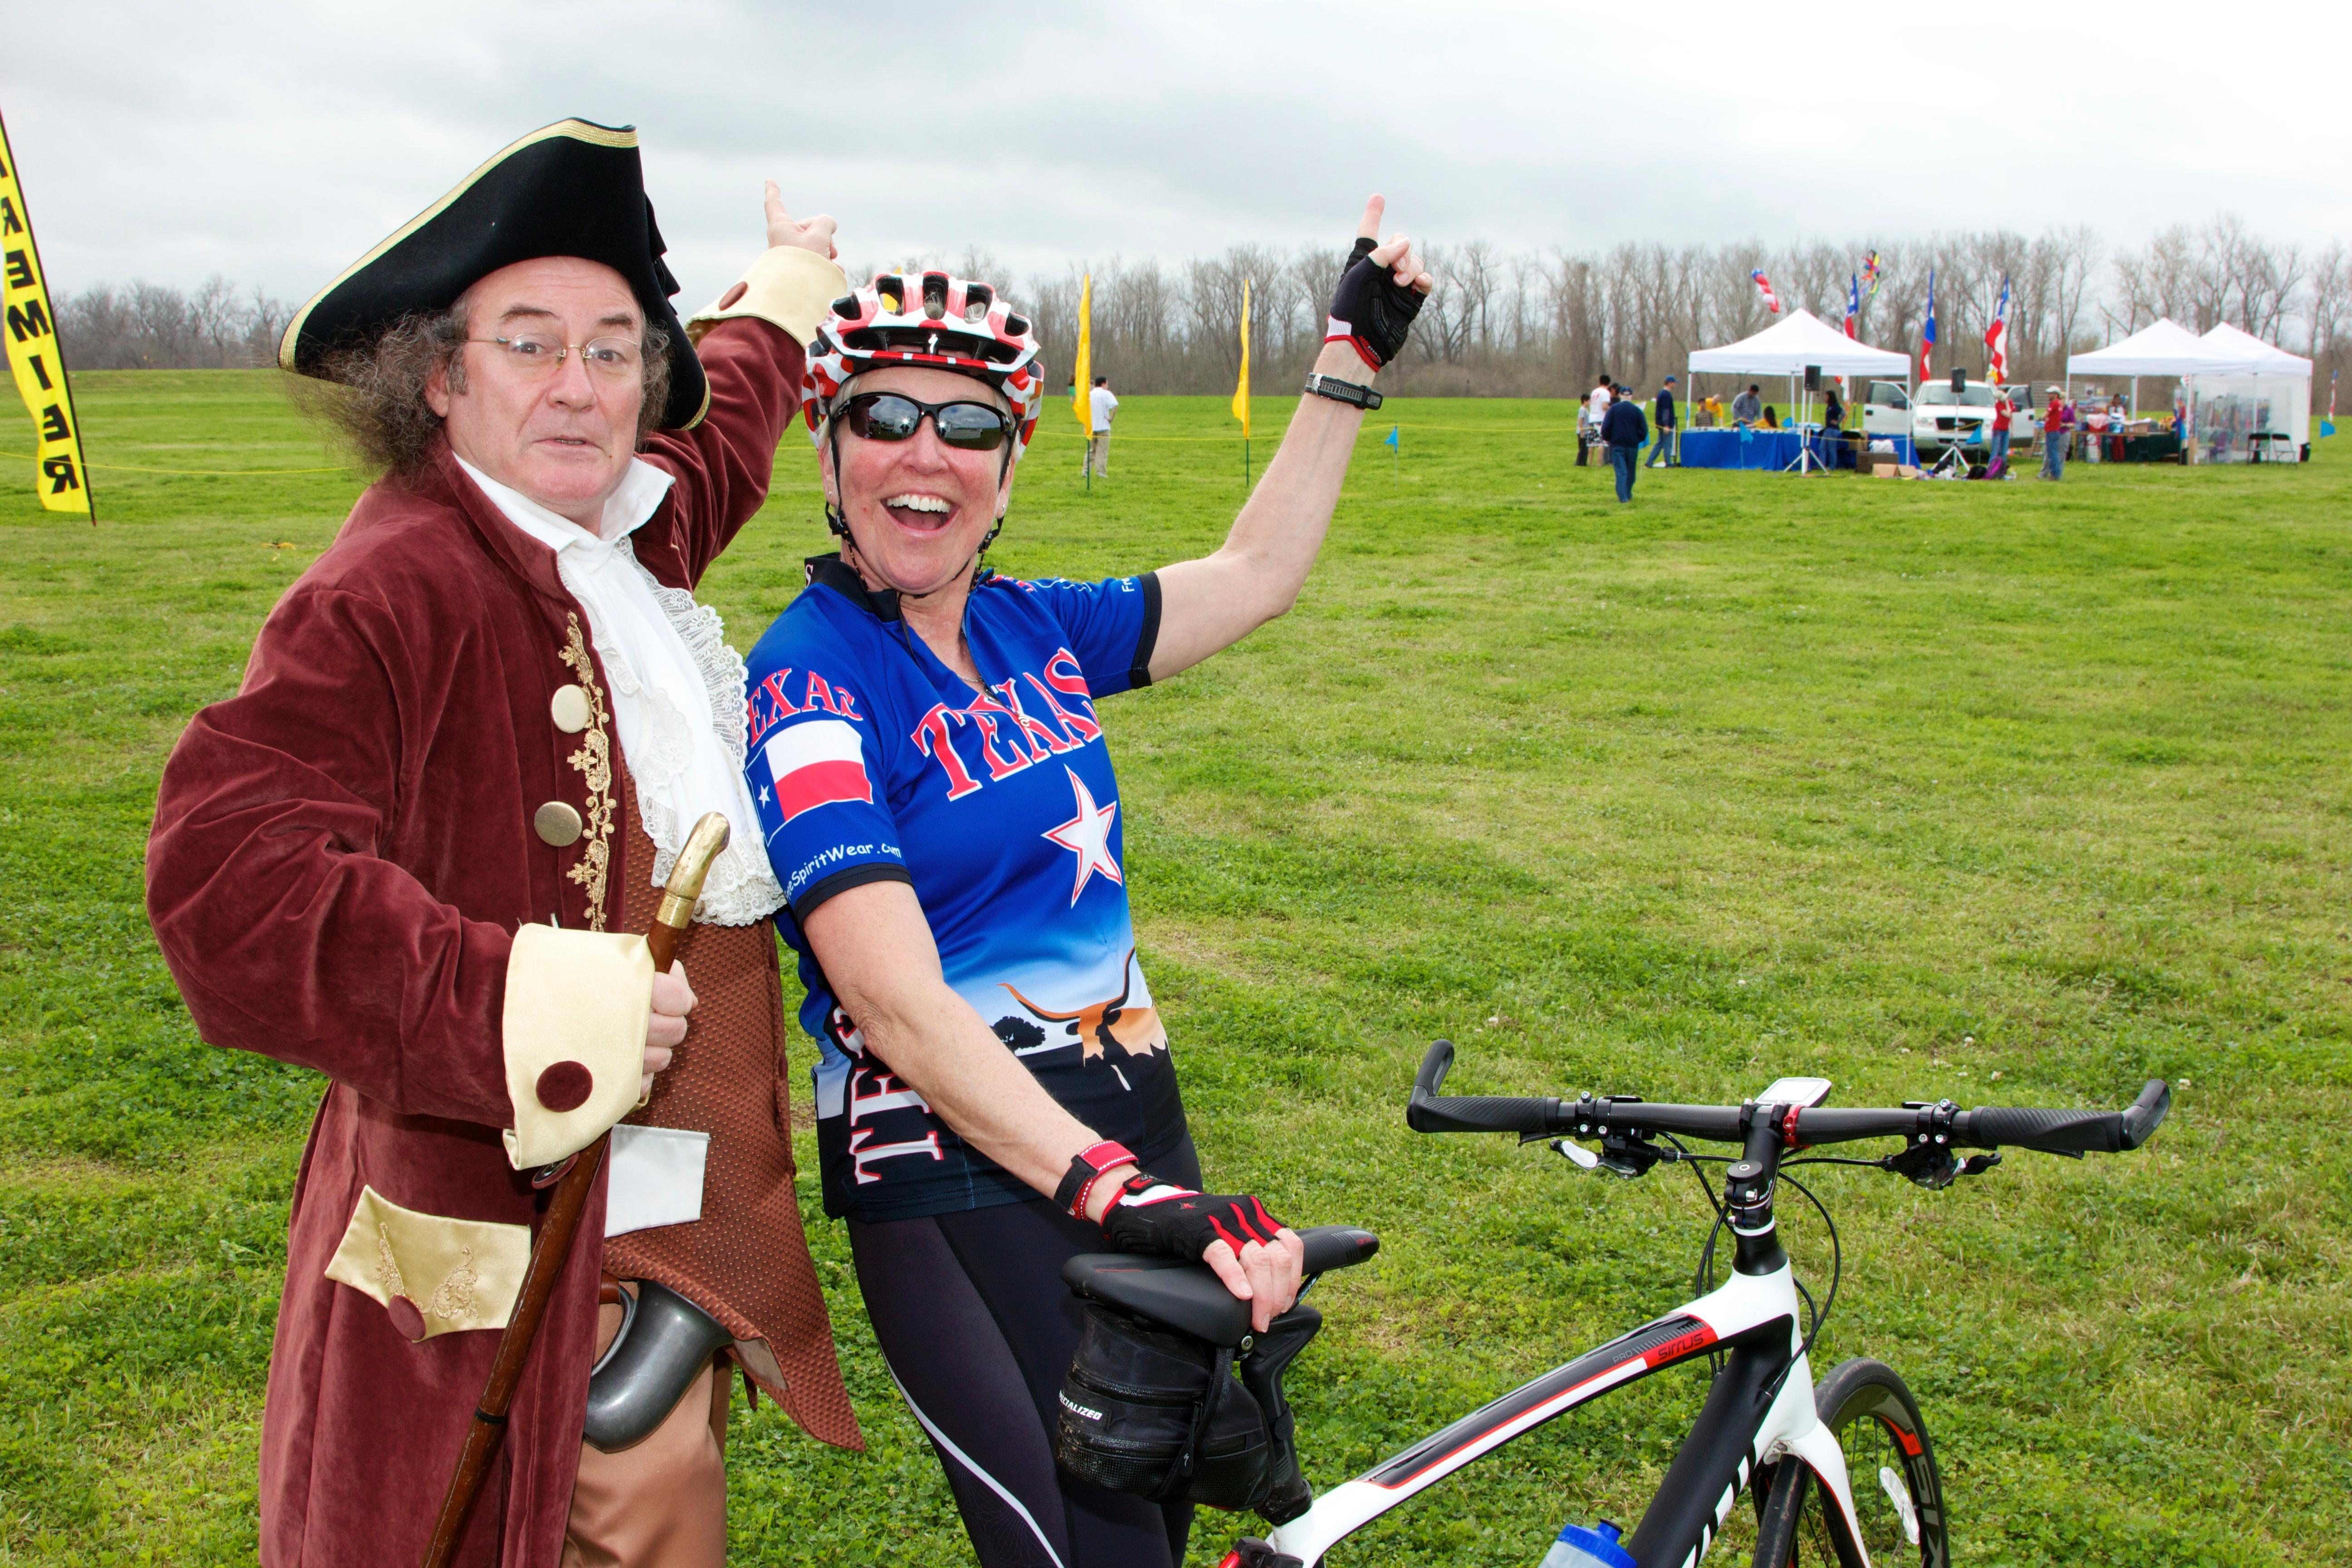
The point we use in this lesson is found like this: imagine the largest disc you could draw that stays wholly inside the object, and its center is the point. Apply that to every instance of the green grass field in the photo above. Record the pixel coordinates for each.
(2011, 792)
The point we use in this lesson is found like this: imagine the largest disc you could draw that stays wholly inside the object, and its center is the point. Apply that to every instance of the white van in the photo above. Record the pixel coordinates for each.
(1936, 416)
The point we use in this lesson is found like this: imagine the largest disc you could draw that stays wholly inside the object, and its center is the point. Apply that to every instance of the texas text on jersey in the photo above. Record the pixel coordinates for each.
(871, 759)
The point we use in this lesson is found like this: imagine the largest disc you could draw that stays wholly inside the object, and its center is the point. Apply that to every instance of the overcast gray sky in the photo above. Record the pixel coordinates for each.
(274, 142)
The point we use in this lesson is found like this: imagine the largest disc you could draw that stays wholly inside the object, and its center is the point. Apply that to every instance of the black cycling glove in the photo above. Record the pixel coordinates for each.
(1370, 309)
(1153, 1215)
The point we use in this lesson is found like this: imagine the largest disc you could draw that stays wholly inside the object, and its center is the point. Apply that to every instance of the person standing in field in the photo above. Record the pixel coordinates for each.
(1589, 416)
(410, 851)
(1663, 455)
(2004, 413)
(939, 804)
(1623, 429)
(1104, 408)
(2055, 421)
(1747, 408)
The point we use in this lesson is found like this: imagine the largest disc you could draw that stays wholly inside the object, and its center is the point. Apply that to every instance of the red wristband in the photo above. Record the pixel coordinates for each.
(1086, 1168)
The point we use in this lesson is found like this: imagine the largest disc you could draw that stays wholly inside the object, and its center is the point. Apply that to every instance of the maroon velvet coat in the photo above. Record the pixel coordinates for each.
(342, 854)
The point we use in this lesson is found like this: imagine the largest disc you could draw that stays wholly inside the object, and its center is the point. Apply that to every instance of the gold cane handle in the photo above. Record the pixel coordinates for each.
(683, 889)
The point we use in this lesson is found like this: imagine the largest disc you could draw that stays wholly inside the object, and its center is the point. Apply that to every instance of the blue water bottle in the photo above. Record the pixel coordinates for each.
(1580, 1548)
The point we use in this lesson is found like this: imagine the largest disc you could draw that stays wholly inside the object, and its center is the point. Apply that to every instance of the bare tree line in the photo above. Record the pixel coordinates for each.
(1547, 323)
(147, 326)
(1526, 323)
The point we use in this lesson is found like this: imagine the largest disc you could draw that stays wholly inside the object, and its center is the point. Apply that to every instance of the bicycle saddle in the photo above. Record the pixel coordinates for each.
(1189, 1296)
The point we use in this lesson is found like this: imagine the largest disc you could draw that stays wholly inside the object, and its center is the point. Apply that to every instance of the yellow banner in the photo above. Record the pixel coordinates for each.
(61, 478)
(1241, 390)
(1082, 373)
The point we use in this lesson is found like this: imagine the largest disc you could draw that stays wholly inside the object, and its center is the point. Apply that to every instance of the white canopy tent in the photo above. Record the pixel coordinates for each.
(2244, 399)
(2162, 348)
(1798, 340)
(2261, 415)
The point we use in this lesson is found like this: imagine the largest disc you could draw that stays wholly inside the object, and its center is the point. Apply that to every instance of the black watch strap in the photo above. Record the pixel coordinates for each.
(1347, 392)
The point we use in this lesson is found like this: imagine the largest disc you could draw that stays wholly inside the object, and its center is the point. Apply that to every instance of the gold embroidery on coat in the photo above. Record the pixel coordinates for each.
(594, 760)
(455, 1297)
(387, 1268)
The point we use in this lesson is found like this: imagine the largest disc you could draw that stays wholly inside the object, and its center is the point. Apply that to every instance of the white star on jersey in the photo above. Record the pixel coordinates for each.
(1088, 835)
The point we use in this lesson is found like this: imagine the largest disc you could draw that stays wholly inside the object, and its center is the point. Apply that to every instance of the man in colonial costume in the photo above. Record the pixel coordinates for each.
(410, 852)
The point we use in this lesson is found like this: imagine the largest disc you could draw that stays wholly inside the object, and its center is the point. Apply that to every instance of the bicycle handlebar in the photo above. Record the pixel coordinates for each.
(2074, 1133)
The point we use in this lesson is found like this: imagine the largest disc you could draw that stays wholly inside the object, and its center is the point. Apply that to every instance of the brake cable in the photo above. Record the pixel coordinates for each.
(1837, 1254)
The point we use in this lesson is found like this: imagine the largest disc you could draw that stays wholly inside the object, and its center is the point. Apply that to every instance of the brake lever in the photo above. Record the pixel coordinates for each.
(1622, 1154)
(1932, 1166)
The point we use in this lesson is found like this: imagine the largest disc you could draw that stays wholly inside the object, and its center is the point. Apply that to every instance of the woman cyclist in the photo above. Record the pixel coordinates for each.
(995, 1092)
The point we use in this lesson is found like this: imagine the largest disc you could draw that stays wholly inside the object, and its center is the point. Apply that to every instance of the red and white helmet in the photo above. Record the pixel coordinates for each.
(926, 319)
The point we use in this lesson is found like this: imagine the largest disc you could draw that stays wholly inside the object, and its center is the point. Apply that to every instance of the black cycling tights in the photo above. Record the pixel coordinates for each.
(978, 1329)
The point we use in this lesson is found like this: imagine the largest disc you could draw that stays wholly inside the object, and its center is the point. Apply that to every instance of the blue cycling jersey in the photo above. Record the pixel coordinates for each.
(870, 760)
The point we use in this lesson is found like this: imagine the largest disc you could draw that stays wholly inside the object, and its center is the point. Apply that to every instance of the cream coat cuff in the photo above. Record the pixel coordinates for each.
(575, 1035)
(788, 288)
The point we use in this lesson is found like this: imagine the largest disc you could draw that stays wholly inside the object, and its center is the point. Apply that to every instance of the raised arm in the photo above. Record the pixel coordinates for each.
(751, 341)
(1209, 605)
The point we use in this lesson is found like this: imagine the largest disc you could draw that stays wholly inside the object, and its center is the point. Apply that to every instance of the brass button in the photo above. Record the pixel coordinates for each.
(569, 708)
(556, 823)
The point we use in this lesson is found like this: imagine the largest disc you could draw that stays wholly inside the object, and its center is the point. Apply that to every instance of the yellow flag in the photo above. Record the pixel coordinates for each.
(1241, 392)
(1082, 374)
(60, 476)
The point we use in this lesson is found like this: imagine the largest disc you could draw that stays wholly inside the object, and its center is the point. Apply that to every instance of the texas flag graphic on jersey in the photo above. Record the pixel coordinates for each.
(819, 763)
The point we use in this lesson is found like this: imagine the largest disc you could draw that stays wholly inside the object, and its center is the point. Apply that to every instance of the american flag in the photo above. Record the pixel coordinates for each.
(1852, 302)
(1764, 287)
(1997, 338)
(1927, 333)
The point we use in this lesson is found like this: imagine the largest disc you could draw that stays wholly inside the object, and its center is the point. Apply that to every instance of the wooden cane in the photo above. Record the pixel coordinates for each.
(563, 1222)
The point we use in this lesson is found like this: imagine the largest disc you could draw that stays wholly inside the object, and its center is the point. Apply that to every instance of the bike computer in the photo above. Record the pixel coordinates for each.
(1802, 1092)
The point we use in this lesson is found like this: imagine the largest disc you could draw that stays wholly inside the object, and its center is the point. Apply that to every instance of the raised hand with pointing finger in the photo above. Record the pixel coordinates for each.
(1379, 294)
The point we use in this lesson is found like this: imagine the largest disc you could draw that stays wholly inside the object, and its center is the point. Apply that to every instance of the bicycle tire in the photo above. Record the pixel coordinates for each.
(1877, 1425)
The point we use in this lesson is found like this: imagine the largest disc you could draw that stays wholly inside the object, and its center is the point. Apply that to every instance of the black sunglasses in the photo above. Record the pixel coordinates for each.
(888, 416)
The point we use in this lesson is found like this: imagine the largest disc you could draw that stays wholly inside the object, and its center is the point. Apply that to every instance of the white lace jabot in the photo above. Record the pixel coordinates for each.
(677, 689)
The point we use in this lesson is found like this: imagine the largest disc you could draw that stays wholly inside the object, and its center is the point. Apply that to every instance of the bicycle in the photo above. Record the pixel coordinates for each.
(1766, 1429)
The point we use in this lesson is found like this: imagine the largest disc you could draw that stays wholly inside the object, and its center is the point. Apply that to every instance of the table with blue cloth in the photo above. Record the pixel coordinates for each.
(1773, 450)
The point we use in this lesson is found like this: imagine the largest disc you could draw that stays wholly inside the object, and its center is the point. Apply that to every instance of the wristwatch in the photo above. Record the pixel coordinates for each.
(1347, 392)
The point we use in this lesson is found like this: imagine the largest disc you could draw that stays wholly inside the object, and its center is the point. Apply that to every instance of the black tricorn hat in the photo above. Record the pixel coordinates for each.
(571, 189)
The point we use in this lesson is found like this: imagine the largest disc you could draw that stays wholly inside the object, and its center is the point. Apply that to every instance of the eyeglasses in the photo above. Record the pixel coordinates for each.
(887, 416)
(536, 354)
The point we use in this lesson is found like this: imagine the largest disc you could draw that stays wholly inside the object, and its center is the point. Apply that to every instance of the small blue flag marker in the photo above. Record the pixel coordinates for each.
(1393, 435)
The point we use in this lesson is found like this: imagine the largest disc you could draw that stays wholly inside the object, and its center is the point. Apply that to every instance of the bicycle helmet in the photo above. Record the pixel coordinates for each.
(931, 319)
(926, 319)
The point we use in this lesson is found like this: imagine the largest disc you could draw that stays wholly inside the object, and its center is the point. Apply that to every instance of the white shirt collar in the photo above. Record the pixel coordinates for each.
(626, 510)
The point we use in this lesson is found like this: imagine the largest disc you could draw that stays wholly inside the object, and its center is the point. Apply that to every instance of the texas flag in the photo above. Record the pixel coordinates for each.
(819, 763)
(1764, 287)
(1927, 333)
(1997, 339)
(1852, 302)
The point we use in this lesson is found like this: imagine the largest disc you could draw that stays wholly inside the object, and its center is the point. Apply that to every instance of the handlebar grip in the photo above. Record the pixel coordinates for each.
(2075, 1132)
(1480, 1113)
(1430, 1111)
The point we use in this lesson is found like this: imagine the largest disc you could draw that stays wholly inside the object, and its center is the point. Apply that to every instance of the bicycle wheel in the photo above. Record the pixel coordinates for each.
(1899, 1498)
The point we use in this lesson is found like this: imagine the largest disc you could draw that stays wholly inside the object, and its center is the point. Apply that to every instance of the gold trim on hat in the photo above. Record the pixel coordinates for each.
(577, 129)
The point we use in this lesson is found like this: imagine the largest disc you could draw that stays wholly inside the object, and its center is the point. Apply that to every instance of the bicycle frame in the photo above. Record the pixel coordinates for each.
(1753, 1316)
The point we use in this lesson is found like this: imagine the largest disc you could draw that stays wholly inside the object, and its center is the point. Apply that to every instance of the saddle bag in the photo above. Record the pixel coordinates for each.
(1148, 1410)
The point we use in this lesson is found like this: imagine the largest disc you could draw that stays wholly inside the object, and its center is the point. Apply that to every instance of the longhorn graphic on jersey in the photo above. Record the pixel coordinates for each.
(1136, 1031)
